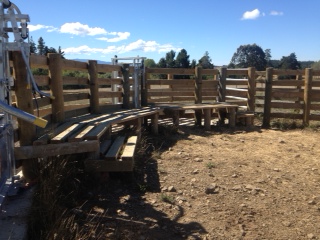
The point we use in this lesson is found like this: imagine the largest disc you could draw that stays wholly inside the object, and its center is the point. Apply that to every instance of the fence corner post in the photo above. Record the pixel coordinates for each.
(56, 86)
(94, 86)
(267, 98)
(251, 89)
(222, 85)
(307, 95)
(126, 86)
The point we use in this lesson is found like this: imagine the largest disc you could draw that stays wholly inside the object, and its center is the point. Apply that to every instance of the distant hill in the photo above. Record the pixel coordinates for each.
(86, 60)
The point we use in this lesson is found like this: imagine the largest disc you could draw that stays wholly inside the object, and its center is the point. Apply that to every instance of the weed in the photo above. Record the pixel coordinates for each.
(210, 165)
(167, 198)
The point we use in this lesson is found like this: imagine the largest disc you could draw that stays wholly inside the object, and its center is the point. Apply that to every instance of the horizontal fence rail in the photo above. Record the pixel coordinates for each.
(88, 87)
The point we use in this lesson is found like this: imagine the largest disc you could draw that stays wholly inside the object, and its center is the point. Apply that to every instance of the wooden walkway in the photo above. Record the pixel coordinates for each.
(92, 134)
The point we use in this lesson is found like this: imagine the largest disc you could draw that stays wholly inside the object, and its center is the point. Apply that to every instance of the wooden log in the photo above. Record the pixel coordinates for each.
(56, 86)
(43, 151)
(94, 87)
(115, 149)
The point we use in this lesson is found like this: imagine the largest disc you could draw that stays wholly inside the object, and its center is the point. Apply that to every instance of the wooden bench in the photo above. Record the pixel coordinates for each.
(174, 110)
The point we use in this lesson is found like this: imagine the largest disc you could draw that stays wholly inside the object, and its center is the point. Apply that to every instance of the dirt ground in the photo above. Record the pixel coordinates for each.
(221, 184)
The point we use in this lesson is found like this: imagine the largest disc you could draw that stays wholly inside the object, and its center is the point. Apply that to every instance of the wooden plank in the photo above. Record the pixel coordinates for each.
(74, 65)
(65, 134)
(50, 150)
(38, 61)
(115, 149)
(67, 80)
(175, 71)
(108, 68)
(108, 166)
(80, 136)
(98, 131)
(129, 149)
(75, 96)
(42, 80)
(104, 146)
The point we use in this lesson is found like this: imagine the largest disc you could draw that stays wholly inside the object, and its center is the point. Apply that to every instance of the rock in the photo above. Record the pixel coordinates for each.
(311, 236)
(196, 171)
(276, 169)
(234, 176)
(312, 202)
(212, 189)
(286, 223)
(171, 189)
(198, 160)
(237, 188)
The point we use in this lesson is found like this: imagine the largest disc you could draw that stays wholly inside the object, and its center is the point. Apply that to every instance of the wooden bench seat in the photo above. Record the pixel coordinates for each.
(173, 110)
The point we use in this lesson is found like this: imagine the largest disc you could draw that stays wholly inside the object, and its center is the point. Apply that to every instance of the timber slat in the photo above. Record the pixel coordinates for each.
(104, 146)
(68, 132)
(115, 149)
(28, 152)
(129, 149)
(78, 137)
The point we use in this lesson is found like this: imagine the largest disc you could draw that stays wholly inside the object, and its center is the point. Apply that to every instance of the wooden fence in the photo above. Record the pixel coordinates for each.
(272, 92)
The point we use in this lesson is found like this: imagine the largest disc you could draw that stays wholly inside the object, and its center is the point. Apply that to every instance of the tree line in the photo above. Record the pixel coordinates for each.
(249, 55)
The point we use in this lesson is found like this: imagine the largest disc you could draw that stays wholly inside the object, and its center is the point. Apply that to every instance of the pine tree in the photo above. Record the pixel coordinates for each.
(41, 46)
(33, 48)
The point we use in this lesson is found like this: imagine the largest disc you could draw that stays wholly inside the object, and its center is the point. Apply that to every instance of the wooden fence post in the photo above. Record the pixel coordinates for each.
(126, 86)
(222, 85)
(251, 89)
(198, 85)
(198, 94)
(27, 131)
(144, 89)
(267, 98)
(56, 86)
(94, 86)
(307, 95)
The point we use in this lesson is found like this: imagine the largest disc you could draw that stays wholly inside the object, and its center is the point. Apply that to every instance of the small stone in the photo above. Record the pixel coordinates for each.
(311, 236)
(234, 176)
(198, 160)
(213, 188)
(281, 141)
(286, 223)
(276, 169)
(237, 188)
(196, 171)
(312, 202)
(171, 189)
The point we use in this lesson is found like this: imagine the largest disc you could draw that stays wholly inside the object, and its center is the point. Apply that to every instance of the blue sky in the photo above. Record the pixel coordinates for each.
(100, 29)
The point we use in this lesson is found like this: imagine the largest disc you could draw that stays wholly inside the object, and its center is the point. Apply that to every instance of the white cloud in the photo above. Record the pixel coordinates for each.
(77, 28)
(254, 14)
(276, 13)
(139, 45)
(120, 36)
(39, 27)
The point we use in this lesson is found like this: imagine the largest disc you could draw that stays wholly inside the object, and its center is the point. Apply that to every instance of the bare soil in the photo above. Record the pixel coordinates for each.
(221, 184)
